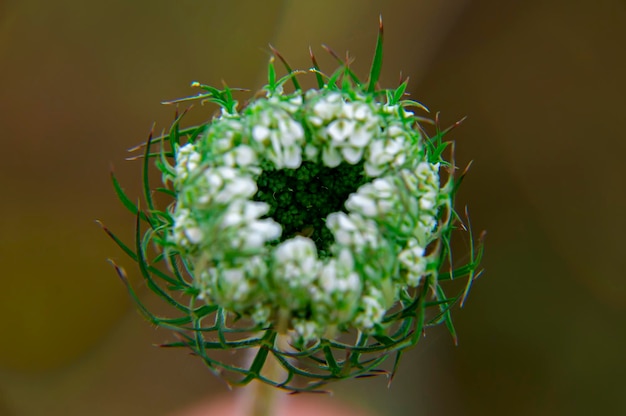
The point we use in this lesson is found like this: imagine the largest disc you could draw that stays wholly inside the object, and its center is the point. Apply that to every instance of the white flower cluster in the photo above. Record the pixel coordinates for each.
(328, 290)
(341, 129)
(353, 231)
(406, 206)
(379, 242)
(235, 286)
(296, 270)
(215, 213)
(274, 130)
(387, 152)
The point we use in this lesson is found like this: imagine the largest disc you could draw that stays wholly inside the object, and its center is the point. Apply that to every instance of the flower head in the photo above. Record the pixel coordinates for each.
(311, 213)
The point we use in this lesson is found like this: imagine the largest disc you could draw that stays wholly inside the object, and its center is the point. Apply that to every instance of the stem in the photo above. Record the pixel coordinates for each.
(262, 399)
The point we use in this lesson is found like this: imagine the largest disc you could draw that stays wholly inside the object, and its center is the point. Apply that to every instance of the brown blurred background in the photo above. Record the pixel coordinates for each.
(543, 84)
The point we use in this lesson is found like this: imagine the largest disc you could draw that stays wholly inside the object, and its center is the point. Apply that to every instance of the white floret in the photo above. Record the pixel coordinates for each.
(340, 130)
(360, 137)
(260, 232)
(363, 204)
(428, 200)
(194, 235)
(352, 155)
(358, 111)
(242, 156)
(331, 157)
(328, 107)
(260, 133)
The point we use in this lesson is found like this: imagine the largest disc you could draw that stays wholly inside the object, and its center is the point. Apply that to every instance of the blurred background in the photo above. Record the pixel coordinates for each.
(542, 84)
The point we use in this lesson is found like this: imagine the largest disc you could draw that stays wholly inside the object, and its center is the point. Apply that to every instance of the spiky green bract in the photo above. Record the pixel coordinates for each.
(323, 215)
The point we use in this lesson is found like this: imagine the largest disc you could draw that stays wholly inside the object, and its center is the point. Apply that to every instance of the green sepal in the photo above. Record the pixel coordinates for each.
(377, 62)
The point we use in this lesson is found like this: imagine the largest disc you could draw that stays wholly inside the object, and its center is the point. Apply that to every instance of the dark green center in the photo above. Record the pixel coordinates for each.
(301, 199)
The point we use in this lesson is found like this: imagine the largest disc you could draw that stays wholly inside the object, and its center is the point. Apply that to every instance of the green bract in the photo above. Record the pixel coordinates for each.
(322, 215)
